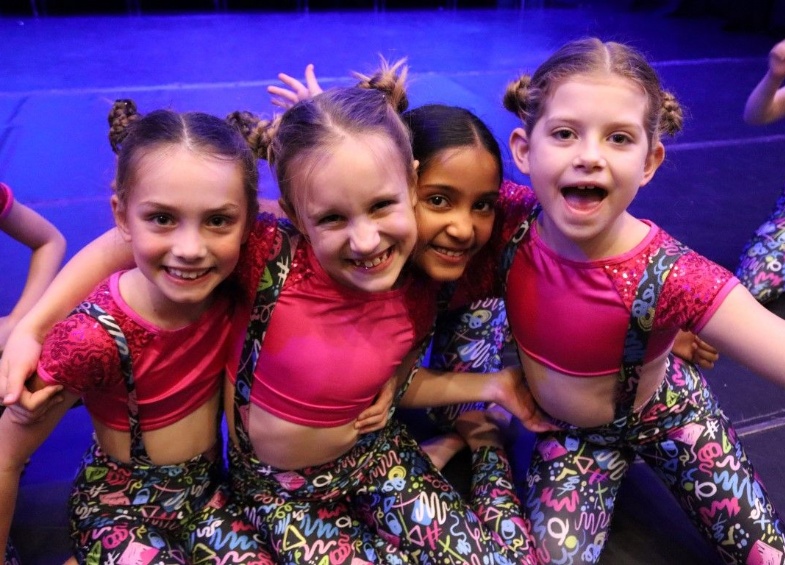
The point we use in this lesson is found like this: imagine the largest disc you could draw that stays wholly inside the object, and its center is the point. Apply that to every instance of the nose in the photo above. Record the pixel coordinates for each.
(589, 156)
(460, 226)
(189, 244)
(364, 236)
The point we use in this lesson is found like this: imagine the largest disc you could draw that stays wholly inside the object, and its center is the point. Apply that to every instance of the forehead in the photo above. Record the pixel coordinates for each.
(466, 170)
(356, 169)
(602, 92)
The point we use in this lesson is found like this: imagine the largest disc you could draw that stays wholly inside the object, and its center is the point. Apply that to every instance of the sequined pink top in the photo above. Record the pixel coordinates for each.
(572, 316)
(175, 371)
(328, 348)
(6, 199)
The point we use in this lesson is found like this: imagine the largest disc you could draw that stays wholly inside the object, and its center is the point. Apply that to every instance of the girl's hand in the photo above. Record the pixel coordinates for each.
(690, 347)
(375, 417)
(34, 405)
(17, 364)
(514, 395)
(296, 91)
(777, 60)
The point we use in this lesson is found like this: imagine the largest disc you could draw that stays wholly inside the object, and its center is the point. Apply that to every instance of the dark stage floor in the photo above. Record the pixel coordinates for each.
(60, 75)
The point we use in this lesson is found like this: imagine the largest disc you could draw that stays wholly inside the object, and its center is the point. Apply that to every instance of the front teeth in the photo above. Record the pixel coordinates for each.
(187, 275)
(449, 252)
(370, 263)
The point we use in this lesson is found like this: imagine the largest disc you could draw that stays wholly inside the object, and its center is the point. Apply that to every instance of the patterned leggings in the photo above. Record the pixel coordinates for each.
(11, 556)
(762, 263)
(383, 502)
(683, 435)
(158, 515)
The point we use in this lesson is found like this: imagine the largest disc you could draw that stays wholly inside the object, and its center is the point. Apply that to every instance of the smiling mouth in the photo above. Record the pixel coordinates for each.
(451, 253)
(583, 196)
(186, 275)
(373, 261)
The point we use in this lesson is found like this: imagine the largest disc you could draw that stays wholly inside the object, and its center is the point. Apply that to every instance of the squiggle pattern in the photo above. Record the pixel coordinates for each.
(683, 435)
(384, 502)
(158, 515)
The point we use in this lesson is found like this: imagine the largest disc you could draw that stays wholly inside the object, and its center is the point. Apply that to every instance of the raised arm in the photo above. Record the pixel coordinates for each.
(766, 103)
(48, 249)
(98, 260)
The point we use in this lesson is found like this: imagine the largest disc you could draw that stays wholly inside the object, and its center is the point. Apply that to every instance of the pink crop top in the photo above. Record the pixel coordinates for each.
(175, 371)
(6, 199)
(328, 349)
(573, 316)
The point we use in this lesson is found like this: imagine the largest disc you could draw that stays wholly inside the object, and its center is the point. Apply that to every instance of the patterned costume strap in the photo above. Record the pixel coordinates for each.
(508, 253)
(138, 453)
(271, 283)
(642, 313)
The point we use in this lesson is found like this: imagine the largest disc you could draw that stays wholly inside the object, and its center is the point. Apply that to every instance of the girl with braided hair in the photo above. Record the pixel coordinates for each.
(141, 353)
(330, 313)
(595, 297)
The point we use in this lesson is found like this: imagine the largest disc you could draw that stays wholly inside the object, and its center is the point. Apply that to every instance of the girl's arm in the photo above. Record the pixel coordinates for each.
(766, 103)
(99, 259)
(48, 248)
(507, 388)
(750, 334)
(17, 444)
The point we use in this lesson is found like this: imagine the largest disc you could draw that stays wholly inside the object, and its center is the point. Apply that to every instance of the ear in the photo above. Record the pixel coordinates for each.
(519, 147)
(653, 161)
(120, 218)
(288, 209)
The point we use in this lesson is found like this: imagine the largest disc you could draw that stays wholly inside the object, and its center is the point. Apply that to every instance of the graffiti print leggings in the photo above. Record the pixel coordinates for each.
(168, 514)
(11, 556)
(683, 435)
(383, 502)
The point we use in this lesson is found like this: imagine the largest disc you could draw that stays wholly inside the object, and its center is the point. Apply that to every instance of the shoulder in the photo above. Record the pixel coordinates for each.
(79, 353)
(264, 243)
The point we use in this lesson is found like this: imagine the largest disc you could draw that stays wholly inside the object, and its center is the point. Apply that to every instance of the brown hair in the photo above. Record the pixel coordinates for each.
(526, 96)
(306, 131)
(134, 136)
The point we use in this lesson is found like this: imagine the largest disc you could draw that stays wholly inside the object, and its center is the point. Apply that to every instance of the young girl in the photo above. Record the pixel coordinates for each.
(762, 264)
(595, 297)
(47, 245)
(344, 164)
(151, 487)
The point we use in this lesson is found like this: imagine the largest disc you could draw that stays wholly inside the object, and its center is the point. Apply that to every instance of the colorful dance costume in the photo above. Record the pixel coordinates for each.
(762, 263)
(638, 301)
(131, 378)
(382, 501)
(6, 202)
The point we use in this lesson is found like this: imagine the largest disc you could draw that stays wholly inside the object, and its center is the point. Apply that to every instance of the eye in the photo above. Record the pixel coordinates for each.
(563, 134)
(382, 204)
(161, 219)
(219, 221)
(485, 206)
(328, 220)
(620, 138)
(437, 201)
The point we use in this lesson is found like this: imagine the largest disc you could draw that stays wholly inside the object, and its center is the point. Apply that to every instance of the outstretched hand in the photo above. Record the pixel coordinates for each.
(296, 91)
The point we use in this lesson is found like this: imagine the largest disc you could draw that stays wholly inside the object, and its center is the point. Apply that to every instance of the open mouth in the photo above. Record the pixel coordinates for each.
(372, 262)
(186, 275)
(583, 197)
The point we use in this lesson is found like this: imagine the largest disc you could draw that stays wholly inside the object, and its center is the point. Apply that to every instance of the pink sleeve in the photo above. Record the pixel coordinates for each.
(6, 200)
(80, 355)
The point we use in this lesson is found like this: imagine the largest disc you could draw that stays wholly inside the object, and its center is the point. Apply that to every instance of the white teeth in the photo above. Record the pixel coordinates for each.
(449, 252)
(188, 275)
(370, 263)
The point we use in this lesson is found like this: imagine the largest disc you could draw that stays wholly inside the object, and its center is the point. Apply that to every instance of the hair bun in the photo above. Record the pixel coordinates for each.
(122, 114)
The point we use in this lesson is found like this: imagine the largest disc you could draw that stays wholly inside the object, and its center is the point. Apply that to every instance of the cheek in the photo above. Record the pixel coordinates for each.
(483, 229)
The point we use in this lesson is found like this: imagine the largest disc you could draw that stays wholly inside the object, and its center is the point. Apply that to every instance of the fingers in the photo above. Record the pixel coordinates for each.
(33, 406)
(310, 80)
(372, 422)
